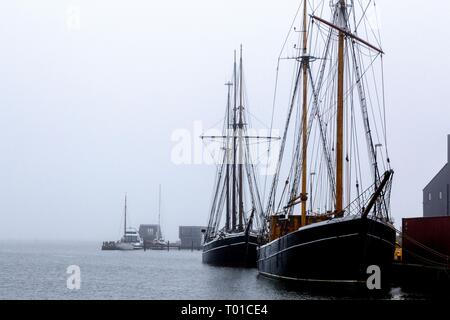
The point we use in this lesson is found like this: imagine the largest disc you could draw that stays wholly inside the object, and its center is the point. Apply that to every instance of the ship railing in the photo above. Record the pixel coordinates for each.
(356, 207)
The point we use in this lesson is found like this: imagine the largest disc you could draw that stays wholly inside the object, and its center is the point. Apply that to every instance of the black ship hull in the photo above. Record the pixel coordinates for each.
(234, 250)
(338, 250)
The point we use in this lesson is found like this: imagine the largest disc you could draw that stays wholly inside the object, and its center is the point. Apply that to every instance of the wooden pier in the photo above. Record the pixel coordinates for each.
(167, 246)
(149, 245)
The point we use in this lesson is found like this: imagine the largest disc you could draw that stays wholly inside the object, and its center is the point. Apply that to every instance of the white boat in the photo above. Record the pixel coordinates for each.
(130, 239)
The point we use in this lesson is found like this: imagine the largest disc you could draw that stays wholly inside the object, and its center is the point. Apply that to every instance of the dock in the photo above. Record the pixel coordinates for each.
(149, 245)
(420, 276)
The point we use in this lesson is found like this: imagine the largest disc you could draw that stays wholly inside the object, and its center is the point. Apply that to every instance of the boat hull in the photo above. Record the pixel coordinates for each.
(231, 251)
(158, 246)
(122, 246)
(338, 250)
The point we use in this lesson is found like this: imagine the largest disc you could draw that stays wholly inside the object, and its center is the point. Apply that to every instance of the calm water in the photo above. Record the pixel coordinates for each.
(37, 270)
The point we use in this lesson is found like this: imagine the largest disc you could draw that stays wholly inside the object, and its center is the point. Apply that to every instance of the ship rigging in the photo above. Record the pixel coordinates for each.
(236, 215)
(336, 97)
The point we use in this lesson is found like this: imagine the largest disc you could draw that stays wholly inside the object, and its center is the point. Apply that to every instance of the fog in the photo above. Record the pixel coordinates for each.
(91, 92)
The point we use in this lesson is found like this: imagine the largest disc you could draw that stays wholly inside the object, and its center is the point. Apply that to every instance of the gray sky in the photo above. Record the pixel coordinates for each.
(92, 90)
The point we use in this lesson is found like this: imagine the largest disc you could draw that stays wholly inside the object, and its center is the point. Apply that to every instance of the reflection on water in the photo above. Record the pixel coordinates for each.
(37, 270)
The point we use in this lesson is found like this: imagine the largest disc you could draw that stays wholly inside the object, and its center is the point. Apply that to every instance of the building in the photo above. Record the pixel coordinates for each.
(191, 237)
(426, 241)
(436, 195)
(148, 232)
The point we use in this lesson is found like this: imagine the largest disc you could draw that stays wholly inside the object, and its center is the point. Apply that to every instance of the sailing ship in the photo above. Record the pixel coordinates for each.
(130, 239)
(231, 237)
(329, 220)
(158, 243)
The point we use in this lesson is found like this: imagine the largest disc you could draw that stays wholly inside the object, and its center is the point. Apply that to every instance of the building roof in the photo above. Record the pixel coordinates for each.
(441, 172)
(148, 226)
(191, 227)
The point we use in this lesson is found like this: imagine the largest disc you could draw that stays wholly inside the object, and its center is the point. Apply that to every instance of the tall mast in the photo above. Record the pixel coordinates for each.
(125, 218)
(233, 206)
(340, 112)
(241, 126)
(159, 213)
(305, 62)
(227, 222)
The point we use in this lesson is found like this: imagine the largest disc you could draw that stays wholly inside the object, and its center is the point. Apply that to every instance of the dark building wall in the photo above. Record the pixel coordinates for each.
(148, 232)
(436, 195)
(191, 236)
(432, 232)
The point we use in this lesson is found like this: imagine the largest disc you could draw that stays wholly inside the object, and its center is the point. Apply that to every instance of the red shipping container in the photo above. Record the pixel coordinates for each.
(426, 241)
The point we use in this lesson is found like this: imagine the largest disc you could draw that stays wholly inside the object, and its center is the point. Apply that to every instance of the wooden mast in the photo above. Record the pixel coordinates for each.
(305, 62)
(233, 195)
(241, 126)
(340, 114)
(227, 222)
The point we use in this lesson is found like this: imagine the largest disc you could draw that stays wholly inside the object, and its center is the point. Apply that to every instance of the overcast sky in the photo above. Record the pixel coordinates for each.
(91, 92)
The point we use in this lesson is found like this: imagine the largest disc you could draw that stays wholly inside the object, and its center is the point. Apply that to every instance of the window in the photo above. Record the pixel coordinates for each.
(440, 195)
(429, 196)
